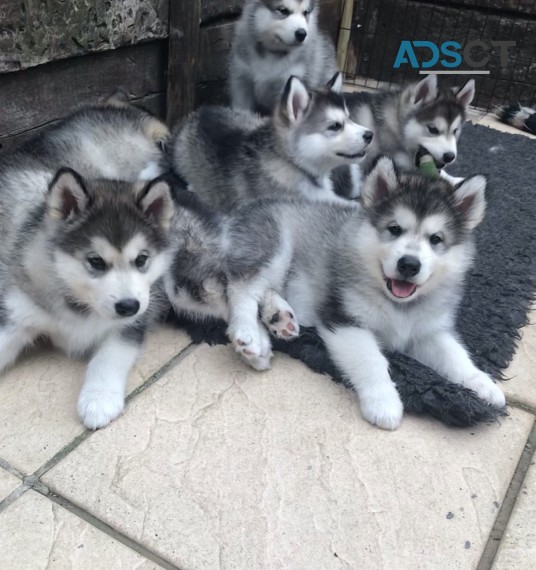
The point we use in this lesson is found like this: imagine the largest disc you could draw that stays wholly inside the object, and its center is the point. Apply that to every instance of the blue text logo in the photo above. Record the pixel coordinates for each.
(450, 55)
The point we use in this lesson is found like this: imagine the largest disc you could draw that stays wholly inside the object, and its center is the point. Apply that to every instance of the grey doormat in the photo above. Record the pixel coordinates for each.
(498, 293)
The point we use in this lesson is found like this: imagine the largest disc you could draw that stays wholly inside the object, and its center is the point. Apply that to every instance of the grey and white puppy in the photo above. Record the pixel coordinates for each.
(388, 275)
(114, 140)
(81, 258)
(404, 120)
(229, 157)
(273, 40)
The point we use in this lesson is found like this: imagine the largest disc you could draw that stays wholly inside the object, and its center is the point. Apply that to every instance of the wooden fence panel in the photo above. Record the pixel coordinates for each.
(36, 97)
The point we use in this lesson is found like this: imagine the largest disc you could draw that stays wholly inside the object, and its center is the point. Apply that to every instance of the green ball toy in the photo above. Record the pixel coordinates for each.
(426, 164)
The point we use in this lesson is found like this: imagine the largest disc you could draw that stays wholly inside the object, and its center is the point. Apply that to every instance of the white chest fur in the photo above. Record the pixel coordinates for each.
(395, 327)
(75, 334)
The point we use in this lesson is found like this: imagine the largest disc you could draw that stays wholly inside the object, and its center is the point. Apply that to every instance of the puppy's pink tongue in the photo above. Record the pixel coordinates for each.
(402, 288)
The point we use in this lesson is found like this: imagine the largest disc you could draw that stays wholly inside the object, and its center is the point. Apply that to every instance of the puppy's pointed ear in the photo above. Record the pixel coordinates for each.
(295, 100)
(466, 93)
(67, 196)
(470, 198)
(382, 180)
(335, 83)
(425, 90)
(156, 203)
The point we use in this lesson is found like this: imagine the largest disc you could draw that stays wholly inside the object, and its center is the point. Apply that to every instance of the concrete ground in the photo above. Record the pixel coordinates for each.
(215, 466)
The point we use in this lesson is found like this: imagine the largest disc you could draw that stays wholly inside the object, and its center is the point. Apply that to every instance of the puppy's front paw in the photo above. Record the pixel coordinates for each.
(253, 346)
(486, 389)
(384, 410)
(97, 408)
(246, 341)
(261, 362)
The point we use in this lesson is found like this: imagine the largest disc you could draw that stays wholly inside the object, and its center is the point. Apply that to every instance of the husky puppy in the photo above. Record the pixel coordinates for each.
(113, 141)
(405, 120)
(273, 40)
(197, 278)
(229, 157)
(81, 258)
(81, 263)
(388, 276)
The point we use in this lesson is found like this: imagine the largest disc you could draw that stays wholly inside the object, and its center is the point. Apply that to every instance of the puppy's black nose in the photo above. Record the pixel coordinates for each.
(368, 136)
(408, 266)
(127, 307)
(300, 34)
(448, 157)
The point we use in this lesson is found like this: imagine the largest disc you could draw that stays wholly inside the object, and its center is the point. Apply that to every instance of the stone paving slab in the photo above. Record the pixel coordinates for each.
(8, 483)
(517, 550)
(217, 466)
(38, 398)
(36, 533)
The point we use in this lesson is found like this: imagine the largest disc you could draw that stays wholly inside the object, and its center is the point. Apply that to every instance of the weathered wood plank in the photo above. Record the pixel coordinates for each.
(184, 26)
(212, 93)
(32, 33)
(215, 48)
(40, 95)
(213, 9)
(330, 17)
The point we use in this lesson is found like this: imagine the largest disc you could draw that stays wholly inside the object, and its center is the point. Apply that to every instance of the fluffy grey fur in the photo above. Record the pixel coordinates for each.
(266, 52)
(232, 156)
(389, 274)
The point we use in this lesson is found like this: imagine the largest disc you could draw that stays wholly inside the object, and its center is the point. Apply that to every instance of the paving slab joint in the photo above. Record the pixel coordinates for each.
(514, 403)
(73, 444)
(503, 516)
(104, 527)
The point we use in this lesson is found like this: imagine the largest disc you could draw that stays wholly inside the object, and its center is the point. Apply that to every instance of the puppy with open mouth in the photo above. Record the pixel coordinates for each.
(388, 275)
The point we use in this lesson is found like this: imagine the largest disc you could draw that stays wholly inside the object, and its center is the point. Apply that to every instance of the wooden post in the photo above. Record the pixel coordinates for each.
(344, 34)
(184, 25)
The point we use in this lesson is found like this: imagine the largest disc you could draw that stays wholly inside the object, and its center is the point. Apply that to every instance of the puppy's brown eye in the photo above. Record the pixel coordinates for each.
(284, 11)
(96, 262)
(435, 239)
(306, 13)
(394, 230)
(433, 130)
(335, 127)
